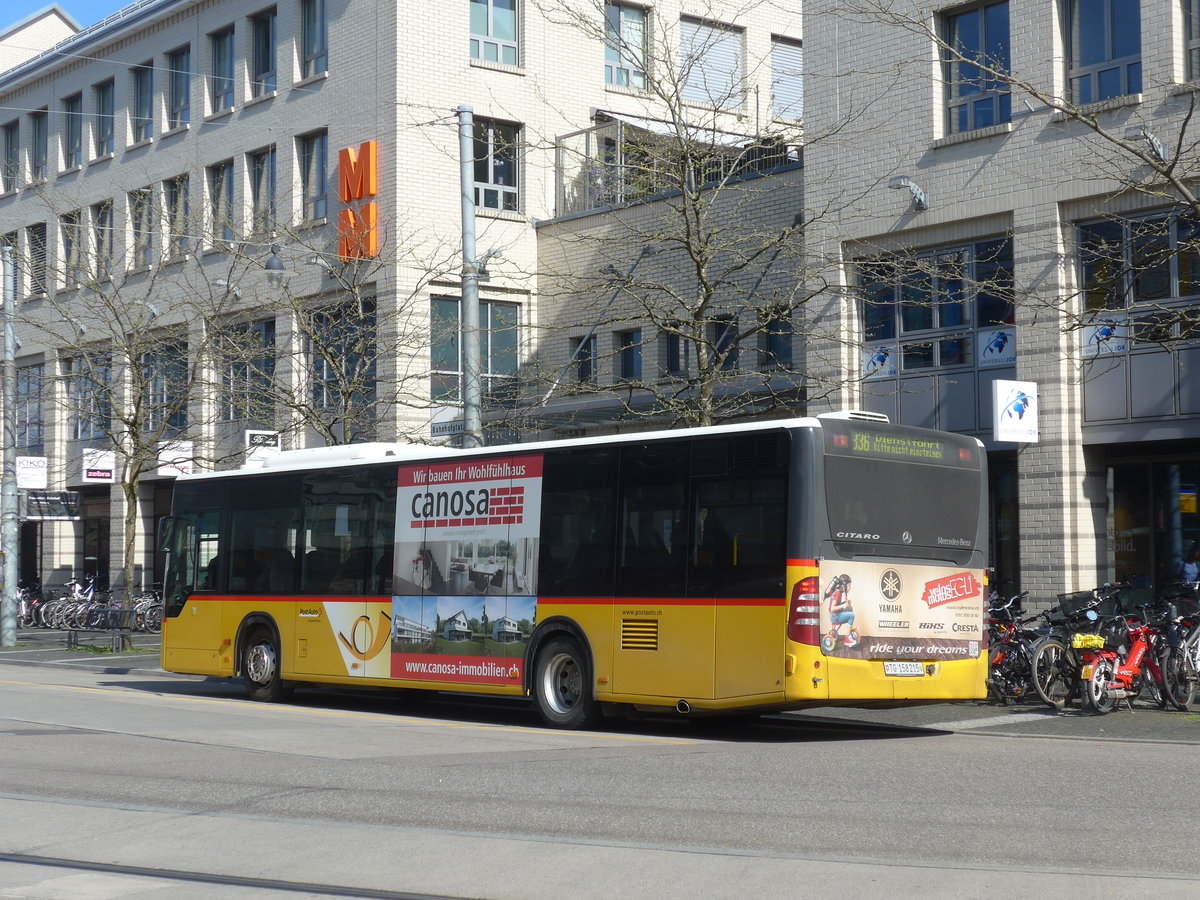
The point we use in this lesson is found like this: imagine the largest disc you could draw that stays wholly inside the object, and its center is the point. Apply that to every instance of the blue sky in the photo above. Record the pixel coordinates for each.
(85, 12)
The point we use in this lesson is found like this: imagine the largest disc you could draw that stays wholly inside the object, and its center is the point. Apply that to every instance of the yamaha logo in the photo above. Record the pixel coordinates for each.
(890, 584)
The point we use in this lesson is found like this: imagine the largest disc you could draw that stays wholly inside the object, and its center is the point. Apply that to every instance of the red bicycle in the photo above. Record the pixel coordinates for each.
(1121, 660)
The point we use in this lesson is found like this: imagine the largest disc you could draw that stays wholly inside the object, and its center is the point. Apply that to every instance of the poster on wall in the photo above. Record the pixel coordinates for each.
(465, 592)
(900, 612)
(996, 347)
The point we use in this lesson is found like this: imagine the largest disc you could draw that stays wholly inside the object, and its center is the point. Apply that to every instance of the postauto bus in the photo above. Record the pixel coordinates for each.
(752, 567)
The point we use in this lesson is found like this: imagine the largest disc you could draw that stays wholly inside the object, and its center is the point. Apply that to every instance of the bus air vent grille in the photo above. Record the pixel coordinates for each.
(639, 634)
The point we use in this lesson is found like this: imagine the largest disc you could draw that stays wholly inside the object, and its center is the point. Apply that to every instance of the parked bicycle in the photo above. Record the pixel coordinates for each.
(1010, 648)
(1055, 663)
(1123, 658)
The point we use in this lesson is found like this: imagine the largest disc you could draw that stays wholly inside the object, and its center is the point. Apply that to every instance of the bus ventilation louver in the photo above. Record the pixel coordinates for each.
(639, 634)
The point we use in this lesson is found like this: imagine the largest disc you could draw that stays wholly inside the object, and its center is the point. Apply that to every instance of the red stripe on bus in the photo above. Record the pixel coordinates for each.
(801, 562)
(666, 601)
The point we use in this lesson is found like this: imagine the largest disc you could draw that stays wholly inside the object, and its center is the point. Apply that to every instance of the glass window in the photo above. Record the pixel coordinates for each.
(103, 98)
(711, 63)
(249, 353)
(74, 271)
(787, 78)
(498, 349)
(1104, 41)
(73, 131)
(220, 81)
(314, 177)
(102, 227)
(775, 340)
(175, 196)
(977, 94)
(496, 165)
(220, 201)
(652, 531)
(579, 504)
(165, 387)
(143, 102)
(494, 31)
(264, 531)
(342, 350)
(1191, 24)
(39, 152)
(625, 45)
(586, 359)
(35, 235)
(262, 62)
(629, 350)
(677, 351)
(262, 190)
(141, 218)
(314, 40)
(179, 98)
(88, 379)
(10, 171)
(722, 341)
(28, 406)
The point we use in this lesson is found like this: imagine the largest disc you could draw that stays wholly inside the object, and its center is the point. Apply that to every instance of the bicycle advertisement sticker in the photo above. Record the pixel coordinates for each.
(886, 611)
(465, 568)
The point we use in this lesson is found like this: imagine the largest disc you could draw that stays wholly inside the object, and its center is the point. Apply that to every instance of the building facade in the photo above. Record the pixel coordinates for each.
(232, 222)
(1040, 230)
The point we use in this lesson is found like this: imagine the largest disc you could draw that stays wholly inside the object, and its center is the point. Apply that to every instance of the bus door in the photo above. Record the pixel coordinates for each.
(193, 622)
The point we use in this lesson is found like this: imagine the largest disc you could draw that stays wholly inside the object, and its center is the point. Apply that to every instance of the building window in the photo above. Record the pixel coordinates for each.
(314, 38)
(28, 407)
(102, 226)
(498, 341)
(625, 45)
(341, 342)
(787, 79)
(1104, 41)
(73, 131)
(775, 340)
(35, 235)
(220, 82)
(175, 197)
(249, 351)
(164, 387)
(10, 172)
(923, 311)
(587, 360)
(711, 63)
(103, 97)
(1191, 25)
(74, 269)
(496, 163)
(220, 201)
(179, 96)
(722, 333)
(677, 352)
(314, 174)
(975, 97)
(494, 31)
(39, 153)
(262, 58)
(88, 381)
(629, 354)
(262, 190)
(143, 102)
(141, 217)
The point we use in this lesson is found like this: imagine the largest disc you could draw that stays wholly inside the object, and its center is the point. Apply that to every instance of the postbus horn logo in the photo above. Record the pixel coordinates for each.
(375, 638)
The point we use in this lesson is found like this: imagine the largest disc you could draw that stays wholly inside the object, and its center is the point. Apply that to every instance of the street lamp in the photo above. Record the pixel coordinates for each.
(8, 494)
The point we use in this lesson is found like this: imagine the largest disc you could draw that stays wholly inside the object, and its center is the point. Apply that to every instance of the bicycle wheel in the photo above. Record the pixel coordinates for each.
(1095, 689)
(1179, 678)
(1054, 673)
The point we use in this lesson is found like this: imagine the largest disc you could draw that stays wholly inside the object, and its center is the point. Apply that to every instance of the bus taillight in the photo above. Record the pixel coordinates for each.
(804, 623)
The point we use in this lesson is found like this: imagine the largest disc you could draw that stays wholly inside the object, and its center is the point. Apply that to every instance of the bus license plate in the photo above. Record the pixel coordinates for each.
(899, 667)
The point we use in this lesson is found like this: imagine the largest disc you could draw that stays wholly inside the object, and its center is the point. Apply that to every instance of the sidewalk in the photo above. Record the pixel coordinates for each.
(48, 647)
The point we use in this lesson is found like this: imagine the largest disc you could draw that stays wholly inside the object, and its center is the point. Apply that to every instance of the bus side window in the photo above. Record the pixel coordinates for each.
(653, 489)
(578, 519)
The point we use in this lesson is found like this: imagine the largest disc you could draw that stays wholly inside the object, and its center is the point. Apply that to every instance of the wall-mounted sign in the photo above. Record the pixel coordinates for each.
(50, 506)
(879, 362)
(175, 457)
(33, 472)
(358, 223)
(1015, 411)
(995, 347)
(99, 466)
(261, 445)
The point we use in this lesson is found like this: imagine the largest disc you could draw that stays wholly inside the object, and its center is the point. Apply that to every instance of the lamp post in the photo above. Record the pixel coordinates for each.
(472, 392)
(8, 496)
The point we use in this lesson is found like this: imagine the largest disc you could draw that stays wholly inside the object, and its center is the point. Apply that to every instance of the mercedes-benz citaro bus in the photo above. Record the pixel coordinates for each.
(751, 567)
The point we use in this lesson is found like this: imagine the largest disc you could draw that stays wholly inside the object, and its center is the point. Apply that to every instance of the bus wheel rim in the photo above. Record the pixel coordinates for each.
(563, 683)
(260, 663)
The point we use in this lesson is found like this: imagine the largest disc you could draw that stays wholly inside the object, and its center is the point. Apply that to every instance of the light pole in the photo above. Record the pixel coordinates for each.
(8, 496)
(472, 392)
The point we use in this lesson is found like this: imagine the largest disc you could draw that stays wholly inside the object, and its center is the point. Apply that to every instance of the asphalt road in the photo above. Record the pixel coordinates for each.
(117, 780)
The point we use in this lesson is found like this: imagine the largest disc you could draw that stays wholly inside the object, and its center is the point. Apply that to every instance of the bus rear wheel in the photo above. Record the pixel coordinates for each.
(261, 671)
(562, 685)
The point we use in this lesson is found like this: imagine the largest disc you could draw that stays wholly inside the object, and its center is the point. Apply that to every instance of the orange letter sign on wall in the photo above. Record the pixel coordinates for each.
(358, 231)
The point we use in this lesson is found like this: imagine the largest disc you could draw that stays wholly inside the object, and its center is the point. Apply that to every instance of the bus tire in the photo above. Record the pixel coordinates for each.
(562, 685)
(261, 667)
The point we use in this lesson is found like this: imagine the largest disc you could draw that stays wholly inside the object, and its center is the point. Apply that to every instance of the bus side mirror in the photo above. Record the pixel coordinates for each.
(166, 531)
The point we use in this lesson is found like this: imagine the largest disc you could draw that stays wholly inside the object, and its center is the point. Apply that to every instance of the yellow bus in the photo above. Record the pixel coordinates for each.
(740, 568)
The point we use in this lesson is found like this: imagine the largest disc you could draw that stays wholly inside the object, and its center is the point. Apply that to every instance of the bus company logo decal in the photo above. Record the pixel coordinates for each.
(890, 584)
(951, 589)
(366, 641)
(310, 613)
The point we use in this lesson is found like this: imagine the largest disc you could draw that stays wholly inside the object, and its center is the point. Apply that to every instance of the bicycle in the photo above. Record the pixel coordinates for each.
(1055, 664)
(1181, 665)
(1011, 645)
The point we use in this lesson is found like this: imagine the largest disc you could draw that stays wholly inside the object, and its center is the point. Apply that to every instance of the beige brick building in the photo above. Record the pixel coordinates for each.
(174, 170)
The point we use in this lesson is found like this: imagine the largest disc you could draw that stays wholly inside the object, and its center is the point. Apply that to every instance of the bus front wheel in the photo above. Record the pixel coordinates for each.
(562, 685)
(261, 667)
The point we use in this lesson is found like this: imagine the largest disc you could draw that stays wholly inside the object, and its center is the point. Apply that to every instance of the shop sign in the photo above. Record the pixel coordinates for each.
(32, 472)
(175, 457)
(358, 223)
(99, 466)
(1015, 411)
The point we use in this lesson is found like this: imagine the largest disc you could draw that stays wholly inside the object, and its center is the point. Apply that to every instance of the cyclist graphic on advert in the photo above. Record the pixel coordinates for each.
(841, 614)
